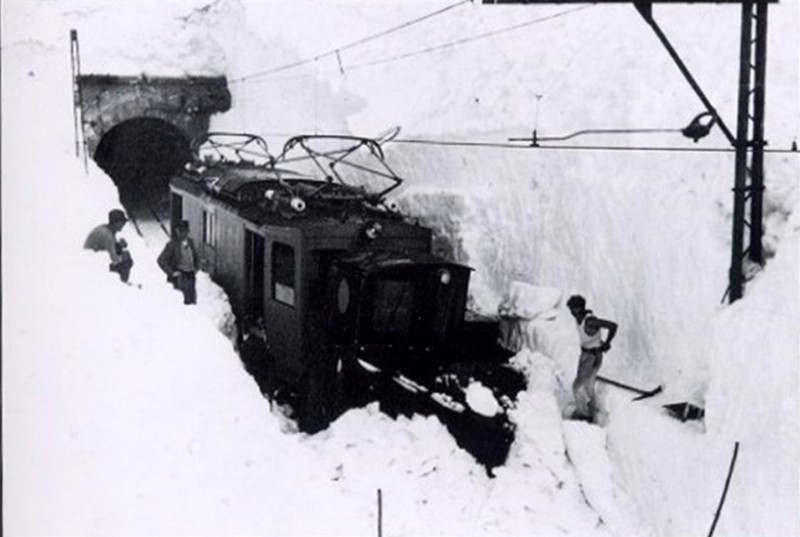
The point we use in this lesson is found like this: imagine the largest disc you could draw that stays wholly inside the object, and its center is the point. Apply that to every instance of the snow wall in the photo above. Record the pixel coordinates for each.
(646, 238)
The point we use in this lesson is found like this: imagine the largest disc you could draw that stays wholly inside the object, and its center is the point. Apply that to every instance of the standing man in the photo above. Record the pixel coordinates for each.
(592, 348)
(103, 238)
(179, 262)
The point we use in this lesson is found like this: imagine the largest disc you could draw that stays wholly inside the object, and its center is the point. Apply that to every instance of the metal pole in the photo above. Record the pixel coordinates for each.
(757, 163)
(644, 9)
(736, 276)
(73, 47)
(77, 94)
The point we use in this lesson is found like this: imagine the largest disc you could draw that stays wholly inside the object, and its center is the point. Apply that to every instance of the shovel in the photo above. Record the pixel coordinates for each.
(643, 394)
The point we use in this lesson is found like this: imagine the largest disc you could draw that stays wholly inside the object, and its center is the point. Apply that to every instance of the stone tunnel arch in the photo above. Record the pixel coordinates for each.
(139, 129)
(141, 155)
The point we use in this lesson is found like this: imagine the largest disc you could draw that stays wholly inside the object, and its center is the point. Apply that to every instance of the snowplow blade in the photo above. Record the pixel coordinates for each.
(444, 392)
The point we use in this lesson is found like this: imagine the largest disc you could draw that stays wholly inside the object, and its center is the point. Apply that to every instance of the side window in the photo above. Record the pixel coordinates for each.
(176, 208)
(210, 228)
(283, 273)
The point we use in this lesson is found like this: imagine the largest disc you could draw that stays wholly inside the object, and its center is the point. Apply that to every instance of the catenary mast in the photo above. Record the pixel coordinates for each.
(748, 140)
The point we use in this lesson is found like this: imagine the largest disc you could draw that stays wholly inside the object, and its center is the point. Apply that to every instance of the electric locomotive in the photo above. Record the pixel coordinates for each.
(338, 298)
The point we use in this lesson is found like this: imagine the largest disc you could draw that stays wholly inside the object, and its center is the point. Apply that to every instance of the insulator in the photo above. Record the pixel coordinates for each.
(298, 204)
(697, 129)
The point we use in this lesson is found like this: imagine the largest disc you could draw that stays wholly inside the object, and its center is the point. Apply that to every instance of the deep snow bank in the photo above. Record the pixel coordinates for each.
(753, 396)
(646, 240)
(642, 237)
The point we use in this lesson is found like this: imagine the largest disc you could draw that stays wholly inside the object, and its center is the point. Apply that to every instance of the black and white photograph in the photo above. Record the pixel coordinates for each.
(400, 268)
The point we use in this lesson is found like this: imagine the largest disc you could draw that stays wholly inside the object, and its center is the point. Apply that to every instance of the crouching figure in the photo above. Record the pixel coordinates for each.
(103, 238)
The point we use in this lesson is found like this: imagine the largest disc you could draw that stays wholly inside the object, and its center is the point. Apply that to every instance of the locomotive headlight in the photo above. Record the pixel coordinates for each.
(445, 276)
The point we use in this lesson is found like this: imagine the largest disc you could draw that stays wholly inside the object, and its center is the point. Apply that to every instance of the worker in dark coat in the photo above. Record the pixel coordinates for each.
(180, 262)
(103, 238)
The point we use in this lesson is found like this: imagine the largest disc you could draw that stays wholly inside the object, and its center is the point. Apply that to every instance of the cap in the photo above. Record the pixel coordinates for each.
(116, 216)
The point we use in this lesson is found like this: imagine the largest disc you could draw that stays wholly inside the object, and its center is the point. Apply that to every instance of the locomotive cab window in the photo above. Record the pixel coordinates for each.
(393, 306)
(283, 273)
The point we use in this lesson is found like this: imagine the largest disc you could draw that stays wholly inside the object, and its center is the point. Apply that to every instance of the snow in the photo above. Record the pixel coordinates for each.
(527, 301)
(127, 413)
(482, 400)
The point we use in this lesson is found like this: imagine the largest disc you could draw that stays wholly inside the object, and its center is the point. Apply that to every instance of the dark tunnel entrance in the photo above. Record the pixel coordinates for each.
(141, 155)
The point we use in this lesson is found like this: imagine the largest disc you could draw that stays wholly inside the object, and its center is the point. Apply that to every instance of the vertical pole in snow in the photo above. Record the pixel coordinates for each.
(77, 98)
(380, 514)
(76, 101)
(724, 490)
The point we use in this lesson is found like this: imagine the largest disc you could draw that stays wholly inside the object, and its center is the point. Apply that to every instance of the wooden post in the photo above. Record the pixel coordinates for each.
(380, 514)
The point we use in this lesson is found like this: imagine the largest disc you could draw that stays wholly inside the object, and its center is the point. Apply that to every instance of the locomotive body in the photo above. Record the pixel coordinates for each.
(336, 296)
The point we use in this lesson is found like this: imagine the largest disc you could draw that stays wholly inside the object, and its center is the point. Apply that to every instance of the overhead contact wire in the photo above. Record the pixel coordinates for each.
(470, 39)
(504, 145)
(436, 48)
(352, 44)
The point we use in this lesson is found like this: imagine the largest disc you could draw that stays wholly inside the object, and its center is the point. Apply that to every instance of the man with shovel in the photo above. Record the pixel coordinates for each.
(592, 348)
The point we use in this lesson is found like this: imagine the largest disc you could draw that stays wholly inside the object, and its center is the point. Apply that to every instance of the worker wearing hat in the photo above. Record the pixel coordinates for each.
(180, 262)
(103, 239)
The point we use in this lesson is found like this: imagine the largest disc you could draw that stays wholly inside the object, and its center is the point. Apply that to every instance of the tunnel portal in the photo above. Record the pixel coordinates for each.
(139, 129)
(140, 155)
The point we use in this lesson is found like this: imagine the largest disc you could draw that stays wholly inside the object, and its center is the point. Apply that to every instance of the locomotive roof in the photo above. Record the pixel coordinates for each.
(228, 179)
(236, 170)
(264, 196)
